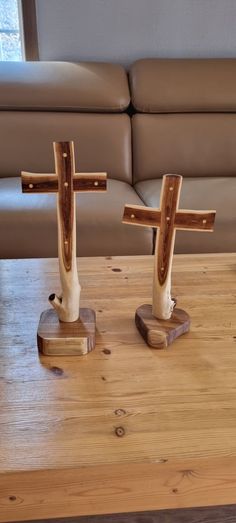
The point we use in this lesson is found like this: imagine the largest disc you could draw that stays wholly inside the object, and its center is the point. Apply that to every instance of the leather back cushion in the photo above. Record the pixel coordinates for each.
(188, 144)
(183, 85)
(102, 142)
(63, 86)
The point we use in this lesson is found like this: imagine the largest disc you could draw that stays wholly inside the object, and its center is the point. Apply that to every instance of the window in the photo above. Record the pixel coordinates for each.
(10, 36)
(18, 30)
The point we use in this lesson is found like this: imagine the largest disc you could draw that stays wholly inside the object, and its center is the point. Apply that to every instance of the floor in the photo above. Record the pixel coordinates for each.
(225, 514)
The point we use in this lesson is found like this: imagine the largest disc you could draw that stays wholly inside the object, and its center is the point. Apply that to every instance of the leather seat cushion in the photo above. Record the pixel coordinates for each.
(201, 194)
(28, 225)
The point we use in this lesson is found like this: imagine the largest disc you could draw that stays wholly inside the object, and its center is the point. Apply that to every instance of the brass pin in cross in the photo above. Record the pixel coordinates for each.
(167, 218)
(65, 182)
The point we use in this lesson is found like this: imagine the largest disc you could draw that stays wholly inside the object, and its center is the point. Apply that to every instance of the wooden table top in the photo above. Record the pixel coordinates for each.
(125, 428)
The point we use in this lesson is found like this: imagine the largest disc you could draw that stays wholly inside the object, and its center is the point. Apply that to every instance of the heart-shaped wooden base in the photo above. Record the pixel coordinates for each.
(161, 333)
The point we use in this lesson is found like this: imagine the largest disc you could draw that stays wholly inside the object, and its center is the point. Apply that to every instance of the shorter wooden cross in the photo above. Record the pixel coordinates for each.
(168, 218)
(65, 182)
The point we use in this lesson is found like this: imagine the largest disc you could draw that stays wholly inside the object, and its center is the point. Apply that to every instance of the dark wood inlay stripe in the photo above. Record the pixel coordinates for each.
(195, 220)
(64, 160)
(48, 183)
(169, 202)
(142, 216)
(90, 182)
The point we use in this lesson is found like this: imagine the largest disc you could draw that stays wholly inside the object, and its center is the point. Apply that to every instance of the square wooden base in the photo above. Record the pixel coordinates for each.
(161, 333)
(56, 338)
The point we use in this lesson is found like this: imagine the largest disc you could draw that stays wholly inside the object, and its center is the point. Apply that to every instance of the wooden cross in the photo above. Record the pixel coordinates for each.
(65, 183)
(168, 218)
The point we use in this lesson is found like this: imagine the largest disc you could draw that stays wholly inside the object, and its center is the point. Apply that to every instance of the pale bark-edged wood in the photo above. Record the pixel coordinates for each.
(82, 182)
(168, 218)
(142, 216)
(67, 304)
(184, 219)
(162, 302)
(65, 182)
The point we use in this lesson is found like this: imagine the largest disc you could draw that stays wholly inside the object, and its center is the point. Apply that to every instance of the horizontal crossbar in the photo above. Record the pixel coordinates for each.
(48, 183)
(184, 219)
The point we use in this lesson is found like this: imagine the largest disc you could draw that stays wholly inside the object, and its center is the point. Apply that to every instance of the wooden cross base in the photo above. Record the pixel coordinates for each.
(161, 333)
(57, 338)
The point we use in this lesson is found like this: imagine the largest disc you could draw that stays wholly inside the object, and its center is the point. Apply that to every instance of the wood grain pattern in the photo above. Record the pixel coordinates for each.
(82, 182)
(159, 334)
(195, 220)
(170, 194)
(65, 183)
(60, 418)
(56, 338)
(67, 304)
(184, 219)
(168, 219)
(162, 302)
(65, 170)
(140, 215)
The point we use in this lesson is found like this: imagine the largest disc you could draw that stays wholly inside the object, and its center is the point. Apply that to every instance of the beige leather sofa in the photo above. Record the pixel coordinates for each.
(183, 121)
(186, 124)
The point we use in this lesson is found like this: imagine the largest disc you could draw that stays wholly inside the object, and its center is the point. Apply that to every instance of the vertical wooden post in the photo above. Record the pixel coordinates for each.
(67, 305)
(162, 303)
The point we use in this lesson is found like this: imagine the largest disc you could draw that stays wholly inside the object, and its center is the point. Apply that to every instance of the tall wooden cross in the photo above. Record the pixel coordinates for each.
(168, 218)
(65, 182)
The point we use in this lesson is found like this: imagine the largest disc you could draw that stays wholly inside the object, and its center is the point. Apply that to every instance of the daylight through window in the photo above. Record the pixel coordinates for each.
(10, 38)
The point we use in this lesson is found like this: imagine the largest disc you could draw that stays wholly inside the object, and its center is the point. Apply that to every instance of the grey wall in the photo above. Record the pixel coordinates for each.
(124, 30)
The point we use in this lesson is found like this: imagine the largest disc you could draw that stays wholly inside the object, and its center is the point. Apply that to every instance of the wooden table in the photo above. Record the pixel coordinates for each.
(126, 428)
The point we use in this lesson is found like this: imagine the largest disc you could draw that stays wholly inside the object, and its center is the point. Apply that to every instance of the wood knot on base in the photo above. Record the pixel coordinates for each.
(120, 412)
(120, 432)
(106, 351)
